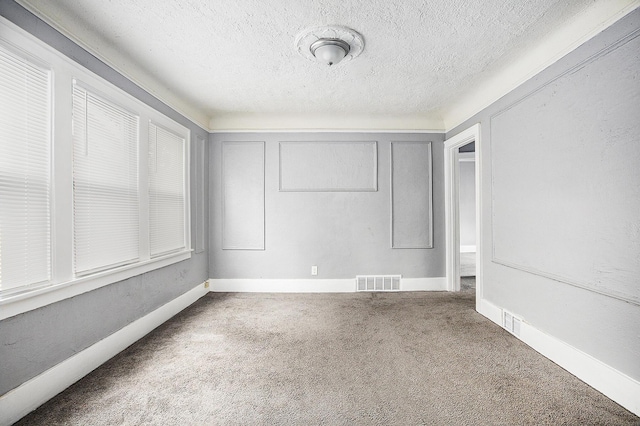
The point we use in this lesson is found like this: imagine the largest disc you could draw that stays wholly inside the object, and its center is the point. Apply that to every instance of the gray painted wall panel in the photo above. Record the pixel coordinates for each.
(467, 203)
(574, 188)
(328, 166)
(37, 340)
(243, 195)
(343, 233)
(601, 326)
(200, 183)
(411, 205)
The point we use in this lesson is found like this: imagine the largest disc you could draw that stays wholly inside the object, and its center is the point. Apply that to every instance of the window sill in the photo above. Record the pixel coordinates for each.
(16, 304)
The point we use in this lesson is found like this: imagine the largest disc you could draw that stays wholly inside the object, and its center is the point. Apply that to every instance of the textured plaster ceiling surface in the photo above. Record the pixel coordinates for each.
(228, 59)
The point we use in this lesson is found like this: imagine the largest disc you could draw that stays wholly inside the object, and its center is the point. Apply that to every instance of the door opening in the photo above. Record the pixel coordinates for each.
(467, 219)
(452, 172)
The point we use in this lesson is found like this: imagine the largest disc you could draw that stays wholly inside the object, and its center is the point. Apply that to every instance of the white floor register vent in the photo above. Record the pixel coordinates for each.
(511, 323)
(378, 282)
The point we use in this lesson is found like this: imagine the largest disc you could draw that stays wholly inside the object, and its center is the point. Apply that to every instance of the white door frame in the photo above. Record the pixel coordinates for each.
(452, 207)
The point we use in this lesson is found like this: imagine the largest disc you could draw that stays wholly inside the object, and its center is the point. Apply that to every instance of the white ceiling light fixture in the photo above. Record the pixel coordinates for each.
(329, 45)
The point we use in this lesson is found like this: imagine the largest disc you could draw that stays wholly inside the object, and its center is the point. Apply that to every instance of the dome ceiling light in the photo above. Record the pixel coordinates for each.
(329, 45)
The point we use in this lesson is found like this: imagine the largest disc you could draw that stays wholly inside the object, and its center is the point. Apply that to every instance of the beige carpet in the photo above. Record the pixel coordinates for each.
(363, 359)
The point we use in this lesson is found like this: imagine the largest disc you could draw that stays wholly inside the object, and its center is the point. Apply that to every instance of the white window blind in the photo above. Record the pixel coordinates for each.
(166, 191)
(105, 183)
(25, 177)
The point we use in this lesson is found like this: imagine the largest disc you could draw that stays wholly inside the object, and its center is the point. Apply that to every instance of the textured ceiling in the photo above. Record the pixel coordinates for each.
(227, 62)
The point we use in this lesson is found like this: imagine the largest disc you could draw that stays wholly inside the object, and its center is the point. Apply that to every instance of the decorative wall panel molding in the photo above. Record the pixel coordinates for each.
(328, 166)
(200, 194)
(565, 201)
(243, 196)
(411, 195)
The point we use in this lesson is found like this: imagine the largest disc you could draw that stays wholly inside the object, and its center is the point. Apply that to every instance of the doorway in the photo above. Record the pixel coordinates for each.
(452, 208)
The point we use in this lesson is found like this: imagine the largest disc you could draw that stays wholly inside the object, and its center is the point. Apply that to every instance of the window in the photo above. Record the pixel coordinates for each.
(94, 184)
(166, 191)
(25, 132)
(105, 183)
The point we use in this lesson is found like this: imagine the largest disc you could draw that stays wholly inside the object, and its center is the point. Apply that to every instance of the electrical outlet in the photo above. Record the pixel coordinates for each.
(314, 270)
(206, 284)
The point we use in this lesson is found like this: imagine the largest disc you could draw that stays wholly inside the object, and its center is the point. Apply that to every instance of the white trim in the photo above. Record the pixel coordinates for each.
(64, 283)
(423, 284)
(32, 299)
(321, 121)
(465, 157)
(283, 286)
(618, 386)
(490, 311)
(150, 86)
(553, 47)
(468, 249)
(18, 402)
(340, 285)
(451, 205)
(403, 131)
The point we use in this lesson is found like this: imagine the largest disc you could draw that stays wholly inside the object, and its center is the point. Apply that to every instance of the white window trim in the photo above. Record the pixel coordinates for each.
(63, 283)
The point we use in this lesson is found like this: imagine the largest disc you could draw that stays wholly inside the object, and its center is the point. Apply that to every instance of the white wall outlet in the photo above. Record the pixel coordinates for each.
(314, 270)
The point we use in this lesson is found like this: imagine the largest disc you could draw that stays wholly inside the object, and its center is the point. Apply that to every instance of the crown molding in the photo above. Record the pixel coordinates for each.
(600, 16)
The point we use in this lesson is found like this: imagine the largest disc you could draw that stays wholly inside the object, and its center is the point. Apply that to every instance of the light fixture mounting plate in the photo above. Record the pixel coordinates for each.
(337, 34)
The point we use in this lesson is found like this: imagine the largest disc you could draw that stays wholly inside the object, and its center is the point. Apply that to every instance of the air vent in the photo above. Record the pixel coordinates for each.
(378, 282)
(511, 323)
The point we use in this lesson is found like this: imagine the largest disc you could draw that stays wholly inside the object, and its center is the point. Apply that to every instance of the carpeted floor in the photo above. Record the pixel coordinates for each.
(330, 359)
(467, 284)
(467, 264)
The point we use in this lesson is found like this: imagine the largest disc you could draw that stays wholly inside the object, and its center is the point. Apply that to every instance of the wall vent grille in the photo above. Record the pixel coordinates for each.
(511, 323)
(378, 282)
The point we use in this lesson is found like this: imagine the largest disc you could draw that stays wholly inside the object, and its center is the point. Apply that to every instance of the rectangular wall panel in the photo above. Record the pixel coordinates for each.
(328, 166)
(243, 195)
(566, 180)
(200, 198)
(411, 195)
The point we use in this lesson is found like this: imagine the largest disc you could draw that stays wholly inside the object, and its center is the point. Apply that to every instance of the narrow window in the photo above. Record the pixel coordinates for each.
(166, 191)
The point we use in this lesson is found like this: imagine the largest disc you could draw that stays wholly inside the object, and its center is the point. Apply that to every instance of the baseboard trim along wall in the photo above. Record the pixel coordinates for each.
(347, 285)
(20, 401)
(615, 385)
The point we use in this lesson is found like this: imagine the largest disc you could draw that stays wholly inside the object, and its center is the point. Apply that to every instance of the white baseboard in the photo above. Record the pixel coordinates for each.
(490, 311)
(424, 284)
(20, 401)
(347, 285)
(282, 286)
(618, 386)
(467, 249)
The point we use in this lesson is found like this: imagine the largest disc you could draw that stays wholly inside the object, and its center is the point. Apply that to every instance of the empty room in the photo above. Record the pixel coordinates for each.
(319, 212)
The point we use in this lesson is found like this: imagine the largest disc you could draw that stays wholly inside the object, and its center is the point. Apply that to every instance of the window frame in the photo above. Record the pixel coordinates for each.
(148, 188)
(64, 283)
(36, 62)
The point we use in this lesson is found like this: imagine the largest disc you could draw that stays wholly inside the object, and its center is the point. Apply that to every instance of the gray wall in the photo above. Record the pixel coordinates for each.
(467, 203)
(35, 341)
(561, 197)
(335, 221)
